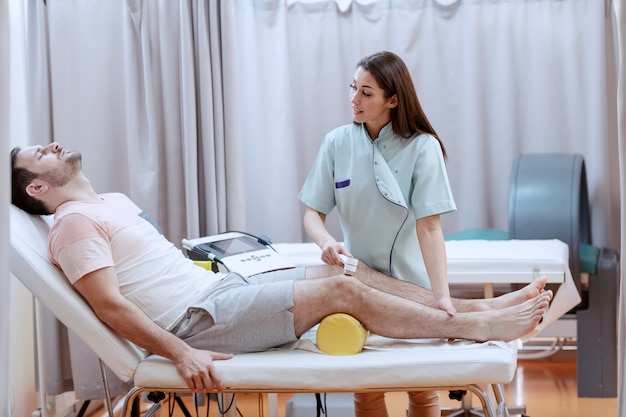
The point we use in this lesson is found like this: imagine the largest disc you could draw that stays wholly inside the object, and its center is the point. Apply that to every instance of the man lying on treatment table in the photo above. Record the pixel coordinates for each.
(144, 288)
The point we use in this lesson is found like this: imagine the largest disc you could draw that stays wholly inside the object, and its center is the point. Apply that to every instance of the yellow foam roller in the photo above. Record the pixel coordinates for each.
(341, 334)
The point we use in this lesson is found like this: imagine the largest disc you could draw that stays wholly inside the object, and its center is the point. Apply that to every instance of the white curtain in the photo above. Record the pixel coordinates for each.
(495, 78)
(137, 87)
(209, 114)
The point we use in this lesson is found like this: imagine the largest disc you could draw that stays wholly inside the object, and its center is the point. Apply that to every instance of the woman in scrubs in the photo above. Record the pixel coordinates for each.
(385, 173)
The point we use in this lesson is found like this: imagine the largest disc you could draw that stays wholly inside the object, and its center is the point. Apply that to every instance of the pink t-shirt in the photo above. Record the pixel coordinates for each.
(152, 272)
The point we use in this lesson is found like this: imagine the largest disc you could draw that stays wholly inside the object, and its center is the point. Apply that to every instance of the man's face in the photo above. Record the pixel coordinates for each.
(51, 163)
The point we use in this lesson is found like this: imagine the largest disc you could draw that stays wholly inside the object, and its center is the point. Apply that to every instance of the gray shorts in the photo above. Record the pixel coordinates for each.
(242, 314)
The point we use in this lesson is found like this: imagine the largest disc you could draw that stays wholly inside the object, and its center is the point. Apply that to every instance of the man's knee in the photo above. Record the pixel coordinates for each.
(348, 286)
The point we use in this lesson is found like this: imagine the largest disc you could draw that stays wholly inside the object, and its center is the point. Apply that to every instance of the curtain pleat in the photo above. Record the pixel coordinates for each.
(219, 189)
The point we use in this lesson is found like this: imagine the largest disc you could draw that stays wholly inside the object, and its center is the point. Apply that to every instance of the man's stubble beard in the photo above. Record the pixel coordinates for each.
(60, 176)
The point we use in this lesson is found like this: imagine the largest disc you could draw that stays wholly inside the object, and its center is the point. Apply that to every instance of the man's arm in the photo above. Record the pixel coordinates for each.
(100, 289)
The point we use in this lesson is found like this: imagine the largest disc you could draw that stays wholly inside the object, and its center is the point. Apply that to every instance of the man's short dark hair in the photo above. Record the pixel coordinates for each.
(20, 179)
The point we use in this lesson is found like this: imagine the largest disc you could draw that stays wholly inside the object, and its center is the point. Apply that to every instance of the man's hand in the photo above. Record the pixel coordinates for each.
(196, 367)
(101, 290)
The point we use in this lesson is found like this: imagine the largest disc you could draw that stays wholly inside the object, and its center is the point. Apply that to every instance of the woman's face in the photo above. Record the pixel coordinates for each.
(369, 104)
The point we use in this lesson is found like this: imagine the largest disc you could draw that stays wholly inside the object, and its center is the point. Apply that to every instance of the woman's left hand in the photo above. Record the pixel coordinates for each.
(445, 304)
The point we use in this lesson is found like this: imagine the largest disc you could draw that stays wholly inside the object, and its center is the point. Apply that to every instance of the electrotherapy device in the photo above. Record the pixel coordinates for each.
(238, 252)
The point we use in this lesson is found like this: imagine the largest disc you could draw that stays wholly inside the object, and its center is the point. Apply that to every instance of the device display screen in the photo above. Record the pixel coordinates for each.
(229, 247)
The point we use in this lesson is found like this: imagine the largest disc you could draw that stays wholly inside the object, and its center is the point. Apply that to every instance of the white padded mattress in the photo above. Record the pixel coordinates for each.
(384, 364)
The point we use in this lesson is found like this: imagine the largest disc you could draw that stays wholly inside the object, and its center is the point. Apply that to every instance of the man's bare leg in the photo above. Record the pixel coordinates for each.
(421, 295)
(390, 315)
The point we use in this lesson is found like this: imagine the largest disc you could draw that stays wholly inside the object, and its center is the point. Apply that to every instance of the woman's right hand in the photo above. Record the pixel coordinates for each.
(314, 223)
(331, 251)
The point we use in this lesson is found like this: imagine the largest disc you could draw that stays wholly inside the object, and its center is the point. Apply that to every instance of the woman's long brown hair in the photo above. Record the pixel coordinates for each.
(392, 75)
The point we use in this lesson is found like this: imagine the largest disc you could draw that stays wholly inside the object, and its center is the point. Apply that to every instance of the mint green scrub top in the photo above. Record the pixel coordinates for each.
(380, 188)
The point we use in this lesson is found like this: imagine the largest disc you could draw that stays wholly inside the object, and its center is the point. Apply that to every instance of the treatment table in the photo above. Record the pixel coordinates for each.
(384, 364)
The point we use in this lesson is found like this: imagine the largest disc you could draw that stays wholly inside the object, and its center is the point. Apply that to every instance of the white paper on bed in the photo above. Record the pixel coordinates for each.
(489, 261)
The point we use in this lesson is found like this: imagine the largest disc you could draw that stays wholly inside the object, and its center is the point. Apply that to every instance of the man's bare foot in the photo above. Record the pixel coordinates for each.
(515, 321)
(517, 297)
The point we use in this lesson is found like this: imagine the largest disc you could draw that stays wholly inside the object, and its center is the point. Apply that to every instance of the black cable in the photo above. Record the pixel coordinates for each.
(321, 405)
(182, 406)
(170, 405)
(83, 408)
(219, 407)
(261, 407)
